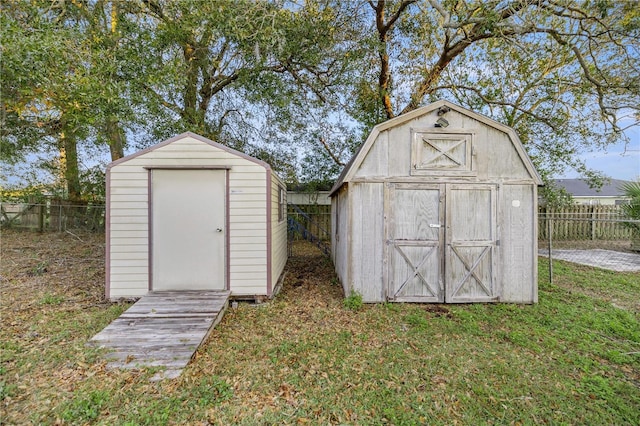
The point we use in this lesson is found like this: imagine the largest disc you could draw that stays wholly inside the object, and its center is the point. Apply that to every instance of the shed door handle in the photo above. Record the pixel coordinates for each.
(434, 225)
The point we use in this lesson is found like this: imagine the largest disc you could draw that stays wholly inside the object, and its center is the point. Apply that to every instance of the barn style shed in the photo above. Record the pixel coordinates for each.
(192, 214)
(438, 205)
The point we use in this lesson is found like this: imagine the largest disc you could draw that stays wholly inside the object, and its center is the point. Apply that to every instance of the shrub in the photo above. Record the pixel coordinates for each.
(353, 301)
(632, 211)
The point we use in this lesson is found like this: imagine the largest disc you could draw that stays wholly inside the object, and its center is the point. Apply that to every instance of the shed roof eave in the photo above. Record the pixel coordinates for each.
(184, 136)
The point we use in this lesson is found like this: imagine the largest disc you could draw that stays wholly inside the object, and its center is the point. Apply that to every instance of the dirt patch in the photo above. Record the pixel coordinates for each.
(66, 270)
(438, 310)
(310, 277)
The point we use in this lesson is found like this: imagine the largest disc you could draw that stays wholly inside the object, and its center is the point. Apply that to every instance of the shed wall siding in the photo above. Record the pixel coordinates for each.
(129, 216)
(518, 244)
(278, 232)
(399, 148)
(376, 163)
(339, 236)
(390, 155)
(367, 240)
(335, 248)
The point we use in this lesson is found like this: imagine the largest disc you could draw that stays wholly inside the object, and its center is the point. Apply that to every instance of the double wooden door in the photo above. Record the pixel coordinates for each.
(441, 243)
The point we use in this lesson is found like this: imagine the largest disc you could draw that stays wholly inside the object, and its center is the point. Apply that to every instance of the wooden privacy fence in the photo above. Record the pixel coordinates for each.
(583, 223)
(567, 223)
(54, 215)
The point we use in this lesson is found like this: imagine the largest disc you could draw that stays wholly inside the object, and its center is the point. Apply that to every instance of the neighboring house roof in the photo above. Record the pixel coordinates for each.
(355, 162)
(580, 188)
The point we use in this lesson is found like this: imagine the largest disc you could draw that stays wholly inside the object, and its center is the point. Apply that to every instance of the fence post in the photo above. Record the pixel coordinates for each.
(41, 212)
(549, 227)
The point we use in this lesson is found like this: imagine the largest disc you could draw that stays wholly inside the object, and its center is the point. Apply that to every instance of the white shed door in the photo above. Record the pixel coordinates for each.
(188, 229)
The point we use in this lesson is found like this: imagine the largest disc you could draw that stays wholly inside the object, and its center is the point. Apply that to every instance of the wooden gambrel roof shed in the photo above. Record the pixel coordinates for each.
(438, 205)
(192, 214)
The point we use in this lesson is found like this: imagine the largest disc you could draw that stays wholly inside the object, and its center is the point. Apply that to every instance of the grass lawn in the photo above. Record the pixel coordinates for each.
(306, 358)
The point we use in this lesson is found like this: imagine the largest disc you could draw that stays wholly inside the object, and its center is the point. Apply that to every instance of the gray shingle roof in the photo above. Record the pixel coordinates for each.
(580, 188)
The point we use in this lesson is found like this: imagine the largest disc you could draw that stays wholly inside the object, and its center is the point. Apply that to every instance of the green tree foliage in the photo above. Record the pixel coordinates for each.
(632, 210)
(300, 84)
(258, 76)
(60, 88)
(44, 86)
(565, 74)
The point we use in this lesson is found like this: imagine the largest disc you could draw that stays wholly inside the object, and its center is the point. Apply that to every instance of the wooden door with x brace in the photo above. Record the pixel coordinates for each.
(441, 243)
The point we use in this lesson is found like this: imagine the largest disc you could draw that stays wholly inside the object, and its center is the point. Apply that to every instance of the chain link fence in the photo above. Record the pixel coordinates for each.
(597, 236)
(316, 218)
(53, 216)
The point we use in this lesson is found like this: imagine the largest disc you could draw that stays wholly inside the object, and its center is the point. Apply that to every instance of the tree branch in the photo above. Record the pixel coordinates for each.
(155, 8)
(477, 33)
(585, 69)
(331, 154)
(222, 119)
(384, 76)
(488, 101)
(442, 11)
(291, 69)
(206, 91)
(171, 106)
(395, 16)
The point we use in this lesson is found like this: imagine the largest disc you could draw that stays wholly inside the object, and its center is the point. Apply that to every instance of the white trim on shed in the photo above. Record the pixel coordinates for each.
(254, 237)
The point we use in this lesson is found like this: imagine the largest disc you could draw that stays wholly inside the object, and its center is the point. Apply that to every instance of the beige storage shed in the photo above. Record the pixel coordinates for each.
(192, 214)
(438, 205)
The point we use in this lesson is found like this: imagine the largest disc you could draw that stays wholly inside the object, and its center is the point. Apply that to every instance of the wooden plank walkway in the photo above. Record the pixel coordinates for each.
(162, 329)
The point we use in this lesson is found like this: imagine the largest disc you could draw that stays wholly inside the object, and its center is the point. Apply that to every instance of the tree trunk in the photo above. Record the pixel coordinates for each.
(192, 116)
(116, 138)
(384, 77)
(69, 164)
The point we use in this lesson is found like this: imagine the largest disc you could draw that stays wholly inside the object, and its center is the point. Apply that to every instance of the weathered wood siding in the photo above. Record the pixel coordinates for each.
(339, 236)
(129, 216)
(471, 238)
(518, 243)
(366, 225)
(278, 228)
(414, 240)
(494, 156)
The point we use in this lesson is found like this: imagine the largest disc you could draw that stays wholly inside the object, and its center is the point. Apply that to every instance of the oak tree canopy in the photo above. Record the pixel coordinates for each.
(300, 83)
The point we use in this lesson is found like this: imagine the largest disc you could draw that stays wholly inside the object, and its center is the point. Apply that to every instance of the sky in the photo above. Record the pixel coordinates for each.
(616, 162)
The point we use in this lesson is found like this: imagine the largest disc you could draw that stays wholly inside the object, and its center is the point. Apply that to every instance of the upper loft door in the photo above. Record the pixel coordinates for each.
(414, 243)
(188, 229)
(471, 244)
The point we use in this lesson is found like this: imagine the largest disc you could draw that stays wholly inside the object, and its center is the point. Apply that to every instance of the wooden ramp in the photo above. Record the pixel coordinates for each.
(162, 329)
